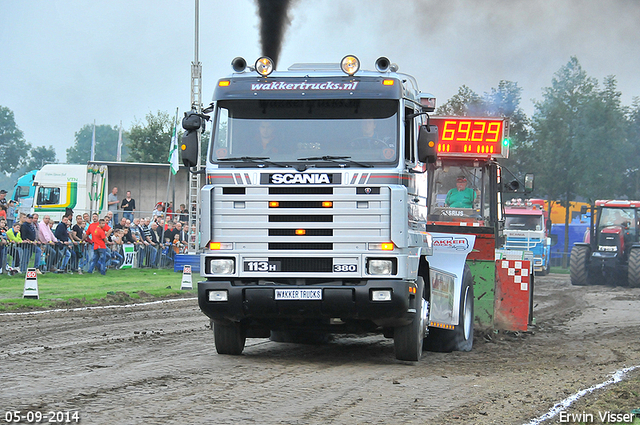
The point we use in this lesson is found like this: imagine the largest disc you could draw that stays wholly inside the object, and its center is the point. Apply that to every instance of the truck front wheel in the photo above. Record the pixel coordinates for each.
(408, 339)
(634, 268)
(229, 337)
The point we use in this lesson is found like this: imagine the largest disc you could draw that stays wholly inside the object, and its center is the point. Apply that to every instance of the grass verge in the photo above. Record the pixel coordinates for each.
(69, 291)
(559, 270)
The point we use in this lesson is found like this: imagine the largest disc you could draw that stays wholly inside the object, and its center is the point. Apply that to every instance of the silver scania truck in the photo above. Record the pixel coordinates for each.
(313, 214)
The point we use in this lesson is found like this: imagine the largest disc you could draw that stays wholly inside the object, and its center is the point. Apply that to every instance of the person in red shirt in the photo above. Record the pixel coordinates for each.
(99, 236)
(89, 234)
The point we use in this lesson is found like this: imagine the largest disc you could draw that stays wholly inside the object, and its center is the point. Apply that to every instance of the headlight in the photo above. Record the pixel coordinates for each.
(380, 267)
(222, 266)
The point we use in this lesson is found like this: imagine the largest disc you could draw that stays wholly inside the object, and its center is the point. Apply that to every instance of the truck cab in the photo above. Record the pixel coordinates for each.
(527, 228)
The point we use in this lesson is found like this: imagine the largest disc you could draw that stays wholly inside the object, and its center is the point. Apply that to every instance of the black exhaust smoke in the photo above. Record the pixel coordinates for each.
(274, 20)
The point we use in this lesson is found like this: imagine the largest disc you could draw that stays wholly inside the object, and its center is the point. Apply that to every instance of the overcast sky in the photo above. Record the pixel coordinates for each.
(65, 63)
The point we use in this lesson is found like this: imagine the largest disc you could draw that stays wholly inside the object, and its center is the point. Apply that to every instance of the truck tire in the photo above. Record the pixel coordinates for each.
(579, 265)
(634, 268)
(408, 340)
(461, 337)
(229, 337)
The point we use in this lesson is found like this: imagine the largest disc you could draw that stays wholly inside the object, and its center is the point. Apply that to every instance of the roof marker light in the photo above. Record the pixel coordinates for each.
(264, 66)
(350, 64)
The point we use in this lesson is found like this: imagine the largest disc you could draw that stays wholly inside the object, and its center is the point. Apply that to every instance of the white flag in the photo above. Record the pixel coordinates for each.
(119, 154)
(173, 151)
(93, 142)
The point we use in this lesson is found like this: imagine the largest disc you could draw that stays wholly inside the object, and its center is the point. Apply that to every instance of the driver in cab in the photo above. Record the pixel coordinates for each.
(460, 196)
(267, 144)
(369, 137)
(618, 219)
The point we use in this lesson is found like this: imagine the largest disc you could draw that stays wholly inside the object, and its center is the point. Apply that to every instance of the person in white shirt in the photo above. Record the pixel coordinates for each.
(48, 240)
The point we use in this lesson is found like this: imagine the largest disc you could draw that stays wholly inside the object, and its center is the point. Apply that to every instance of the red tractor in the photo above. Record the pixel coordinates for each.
(611, 250)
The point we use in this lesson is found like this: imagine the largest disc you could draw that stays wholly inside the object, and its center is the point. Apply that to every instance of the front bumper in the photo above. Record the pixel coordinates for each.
(352, 302)
(604, 260)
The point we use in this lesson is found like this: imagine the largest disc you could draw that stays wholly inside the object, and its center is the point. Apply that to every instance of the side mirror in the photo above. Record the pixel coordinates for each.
(427, 143)
(190, 144)
(528, 183)
(208, 109)
(554, 239)
(583, 209)
(512, 186)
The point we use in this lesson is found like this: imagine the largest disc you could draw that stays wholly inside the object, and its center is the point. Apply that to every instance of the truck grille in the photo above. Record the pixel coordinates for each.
(297, 246)
(609, 239)
(300, 218)
(323, 190)
(292, 232)
(299, 223)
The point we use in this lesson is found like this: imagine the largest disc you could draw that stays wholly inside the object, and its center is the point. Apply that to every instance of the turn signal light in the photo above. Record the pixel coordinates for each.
(327, 204)
(216, 246)
(385, 246)
(274, 204)
(301, 232)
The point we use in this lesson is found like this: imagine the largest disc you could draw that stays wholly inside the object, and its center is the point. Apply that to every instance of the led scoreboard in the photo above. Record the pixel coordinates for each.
(472, 137)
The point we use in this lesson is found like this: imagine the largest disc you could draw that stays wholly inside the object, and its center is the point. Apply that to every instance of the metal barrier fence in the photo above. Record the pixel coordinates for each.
(78, 258)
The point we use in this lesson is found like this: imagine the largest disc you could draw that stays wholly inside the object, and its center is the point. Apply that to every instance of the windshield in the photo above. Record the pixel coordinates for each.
(22, 192)
(616, 216)
(523, 222)
(460, 192)
(286, 131)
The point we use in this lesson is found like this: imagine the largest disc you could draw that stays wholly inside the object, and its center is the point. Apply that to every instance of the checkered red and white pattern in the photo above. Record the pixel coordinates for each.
(519, 270)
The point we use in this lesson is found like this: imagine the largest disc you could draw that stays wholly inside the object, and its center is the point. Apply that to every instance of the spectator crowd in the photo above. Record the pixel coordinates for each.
(84, 243)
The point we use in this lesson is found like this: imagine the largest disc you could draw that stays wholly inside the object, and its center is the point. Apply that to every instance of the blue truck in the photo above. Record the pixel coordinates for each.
(527, 229)
(24, 191)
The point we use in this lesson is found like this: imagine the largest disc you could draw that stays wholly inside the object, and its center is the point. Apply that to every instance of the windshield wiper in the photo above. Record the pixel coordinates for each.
(255, 160)
(335, 159)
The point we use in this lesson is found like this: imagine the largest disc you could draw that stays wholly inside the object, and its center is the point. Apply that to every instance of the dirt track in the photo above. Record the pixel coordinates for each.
(157, 364)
